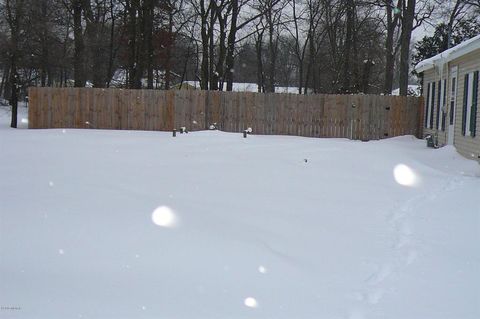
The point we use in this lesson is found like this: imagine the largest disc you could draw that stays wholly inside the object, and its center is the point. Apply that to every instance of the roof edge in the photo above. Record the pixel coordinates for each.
(455, 52)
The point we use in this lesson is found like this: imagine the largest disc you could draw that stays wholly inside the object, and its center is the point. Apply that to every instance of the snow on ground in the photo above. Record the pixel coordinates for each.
(248, 87)
(123, 224)
(413, 90)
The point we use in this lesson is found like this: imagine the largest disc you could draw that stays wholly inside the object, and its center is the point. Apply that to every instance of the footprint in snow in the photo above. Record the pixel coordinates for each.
(355, 314)
(380, 275)
(411, 257)
(453, 184)
(375, 296)
(405, 231)
(402, 241)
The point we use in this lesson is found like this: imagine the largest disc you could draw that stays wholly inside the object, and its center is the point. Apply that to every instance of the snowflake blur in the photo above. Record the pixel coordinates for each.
(404, 175)
(251, 302)
(164, 216)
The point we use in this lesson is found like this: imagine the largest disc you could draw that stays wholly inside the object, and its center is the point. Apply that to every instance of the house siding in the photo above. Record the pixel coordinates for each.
(468, 146)
(431, 76)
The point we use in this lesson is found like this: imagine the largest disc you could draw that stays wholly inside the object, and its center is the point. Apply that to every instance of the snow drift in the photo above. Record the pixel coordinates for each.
(123, 224)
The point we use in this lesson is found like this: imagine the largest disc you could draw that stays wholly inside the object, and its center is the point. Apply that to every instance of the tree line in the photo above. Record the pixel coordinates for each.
(317, 46)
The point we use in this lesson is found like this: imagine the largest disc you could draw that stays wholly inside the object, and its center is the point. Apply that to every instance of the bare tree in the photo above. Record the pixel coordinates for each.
(414, 12)
(302, 36)
(392, 23)
(14, 10)
(271, 22)
(259, 31)
(79, 56)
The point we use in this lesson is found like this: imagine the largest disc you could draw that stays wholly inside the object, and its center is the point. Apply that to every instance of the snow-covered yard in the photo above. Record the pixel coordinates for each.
(124, 224)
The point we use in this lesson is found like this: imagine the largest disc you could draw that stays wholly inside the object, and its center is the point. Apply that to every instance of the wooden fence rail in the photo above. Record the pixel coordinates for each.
(362, 117)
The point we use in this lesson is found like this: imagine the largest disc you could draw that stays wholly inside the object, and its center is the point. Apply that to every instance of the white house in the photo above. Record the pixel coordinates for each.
(451, 92)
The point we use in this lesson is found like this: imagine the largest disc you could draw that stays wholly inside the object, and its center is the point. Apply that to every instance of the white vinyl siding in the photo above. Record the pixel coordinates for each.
(466, 145)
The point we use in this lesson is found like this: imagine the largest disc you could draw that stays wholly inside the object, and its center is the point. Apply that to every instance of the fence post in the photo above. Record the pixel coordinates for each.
(315, 115)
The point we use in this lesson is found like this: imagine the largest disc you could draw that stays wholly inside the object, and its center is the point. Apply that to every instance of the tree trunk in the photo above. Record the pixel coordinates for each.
(168, 58)
(97, 68)
(367, 70)
(270, 87)
(347, 72)
(14, 95)
(141, 44)
(132, 43)
(148, 35)
(204, 74)
(258, 50)
(79, 56)
(50, 77)
(392, 22)
(14, 16)
(5, 79)
(111, 45)
(231, 45)
(407, 27)
(212, 75)
(311, 70)
(454, 14)
(300, 78)
(222, 51)
(8, 84)
(44, 47)
(389, 57)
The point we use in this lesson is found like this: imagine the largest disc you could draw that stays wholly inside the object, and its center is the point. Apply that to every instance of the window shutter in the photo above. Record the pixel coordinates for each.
(452, 100)
(465, 102)
(439, 94)
(444, 106)
(473, 113)
(427, 108)
(432, 105)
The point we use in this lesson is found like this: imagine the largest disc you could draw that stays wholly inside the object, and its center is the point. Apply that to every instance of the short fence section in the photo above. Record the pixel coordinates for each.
(362, 117)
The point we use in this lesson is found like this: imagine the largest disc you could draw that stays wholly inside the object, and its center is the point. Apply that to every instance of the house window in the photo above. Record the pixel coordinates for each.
(470, 101)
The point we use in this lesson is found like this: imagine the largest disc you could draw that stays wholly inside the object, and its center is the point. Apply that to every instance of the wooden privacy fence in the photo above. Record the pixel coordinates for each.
(351, 116)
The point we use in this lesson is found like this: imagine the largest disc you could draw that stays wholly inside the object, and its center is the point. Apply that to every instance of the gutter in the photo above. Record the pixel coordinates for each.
(457, 51)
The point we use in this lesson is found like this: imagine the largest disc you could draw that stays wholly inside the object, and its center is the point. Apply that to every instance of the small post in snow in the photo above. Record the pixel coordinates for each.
(174, 132)
(247, 131)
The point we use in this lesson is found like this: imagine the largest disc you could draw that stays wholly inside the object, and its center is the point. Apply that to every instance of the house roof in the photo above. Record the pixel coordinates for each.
(249, 87)
(450, 54)
(413, 90)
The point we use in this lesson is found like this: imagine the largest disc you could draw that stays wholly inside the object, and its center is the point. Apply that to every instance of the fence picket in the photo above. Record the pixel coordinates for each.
(352, 116)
